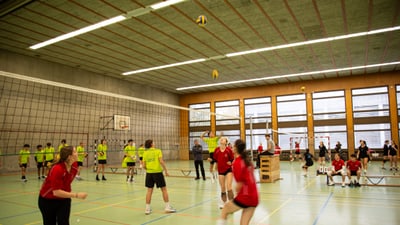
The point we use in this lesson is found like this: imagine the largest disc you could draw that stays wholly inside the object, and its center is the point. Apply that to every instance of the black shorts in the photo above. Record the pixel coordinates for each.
(155, 178)
(130, 164)
(393, 153)
(141, 158)
(226, 172)
(241, 205)
(80, 163)
(386, 152)
(309, 163)
(24, 165)
(322, 154)
(212, 158)
(353, 173)
(102, 161)
(39, 165)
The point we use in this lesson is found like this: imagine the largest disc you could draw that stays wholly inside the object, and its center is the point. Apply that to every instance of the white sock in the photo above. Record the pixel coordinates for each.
(147, 206)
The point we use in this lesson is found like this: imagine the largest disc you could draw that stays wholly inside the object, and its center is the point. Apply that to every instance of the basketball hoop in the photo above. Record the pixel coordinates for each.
(124, 127)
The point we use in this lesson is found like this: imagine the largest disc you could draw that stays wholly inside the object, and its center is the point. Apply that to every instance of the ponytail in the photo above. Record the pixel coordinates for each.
(241, 150)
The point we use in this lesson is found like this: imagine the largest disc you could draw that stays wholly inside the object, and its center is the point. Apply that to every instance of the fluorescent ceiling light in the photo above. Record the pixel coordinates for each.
(133, 13)
(291, 45)
(80, 31)
(313, 41)
(164, 66)
(290, 75)
(165, 4)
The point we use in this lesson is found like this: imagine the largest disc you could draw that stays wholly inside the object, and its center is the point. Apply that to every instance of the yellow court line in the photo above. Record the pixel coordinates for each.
(274, 211)
(305, 187)
(284, 203)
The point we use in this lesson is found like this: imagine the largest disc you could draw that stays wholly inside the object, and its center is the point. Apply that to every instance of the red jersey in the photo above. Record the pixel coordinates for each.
(277, 150)
(58, 179)
(260, 149)
(353, 165)
(338, 164)
(222, 158)
(248, 194)
(297, 147)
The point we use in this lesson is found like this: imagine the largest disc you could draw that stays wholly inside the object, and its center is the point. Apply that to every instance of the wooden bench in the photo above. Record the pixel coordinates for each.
(327, 177)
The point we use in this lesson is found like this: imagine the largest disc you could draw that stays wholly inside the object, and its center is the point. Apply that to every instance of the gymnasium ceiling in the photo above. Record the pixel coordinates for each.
(170, 35)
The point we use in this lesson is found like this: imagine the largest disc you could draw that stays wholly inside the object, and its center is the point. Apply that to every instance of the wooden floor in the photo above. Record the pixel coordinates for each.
(292, 200)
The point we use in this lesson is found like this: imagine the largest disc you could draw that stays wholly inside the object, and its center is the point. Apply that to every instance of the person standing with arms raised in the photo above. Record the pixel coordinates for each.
(212, 143)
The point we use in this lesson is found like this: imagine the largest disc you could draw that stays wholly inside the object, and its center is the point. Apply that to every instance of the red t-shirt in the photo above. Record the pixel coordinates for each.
(353, 165)
(297, 147)
(338, 164)
(248, 194)
(277, 149)
(58, 179)
(222, 158)
(260, 148)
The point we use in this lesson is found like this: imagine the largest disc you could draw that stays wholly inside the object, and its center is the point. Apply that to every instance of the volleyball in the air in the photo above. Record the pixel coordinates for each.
(303, 88)
(201, 20)
(214, 74)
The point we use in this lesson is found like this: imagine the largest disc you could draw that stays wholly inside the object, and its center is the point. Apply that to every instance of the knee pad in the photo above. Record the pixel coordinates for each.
(223, 196)
(230, 194)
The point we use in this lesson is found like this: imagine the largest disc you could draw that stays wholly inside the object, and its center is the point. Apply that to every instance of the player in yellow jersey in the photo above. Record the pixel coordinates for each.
(154, 165)
(81, 156)
(130, 159)
(62, 145)
(48, 156)
(140, 153)
(212, 143)
(39, 158)
(23, 161)
(102, 158)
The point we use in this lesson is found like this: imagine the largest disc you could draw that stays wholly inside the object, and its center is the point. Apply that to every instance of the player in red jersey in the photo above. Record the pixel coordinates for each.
(246, 188)
(55, 194)
(223, 155)
(354, 169)
(337, 169)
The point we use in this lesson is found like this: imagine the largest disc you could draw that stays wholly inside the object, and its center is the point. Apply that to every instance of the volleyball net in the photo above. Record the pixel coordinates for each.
(36, 112)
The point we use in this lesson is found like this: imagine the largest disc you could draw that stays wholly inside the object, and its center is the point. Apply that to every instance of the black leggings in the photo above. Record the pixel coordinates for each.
(55, 211)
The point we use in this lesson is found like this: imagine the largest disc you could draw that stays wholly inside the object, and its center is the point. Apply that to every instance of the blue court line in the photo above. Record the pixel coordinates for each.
(322, 209)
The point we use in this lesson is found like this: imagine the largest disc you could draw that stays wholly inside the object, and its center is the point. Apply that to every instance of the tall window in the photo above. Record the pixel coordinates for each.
(292, 120)
(329, 114)
(257, 115)
(398, 106)
(371, 116)
(199, 121)
(227, 119)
